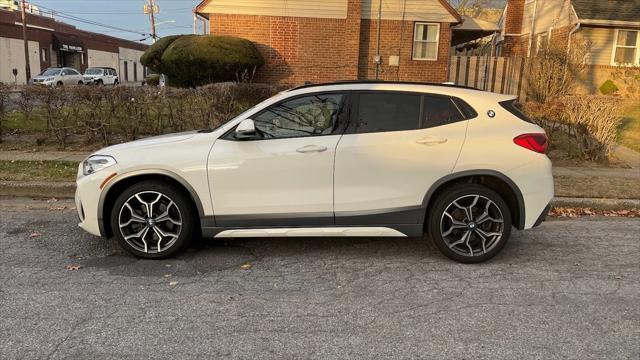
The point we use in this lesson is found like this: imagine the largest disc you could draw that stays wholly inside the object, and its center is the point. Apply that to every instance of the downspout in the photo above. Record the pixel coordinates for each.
(573, 31)
(378, 56)
(533, 24)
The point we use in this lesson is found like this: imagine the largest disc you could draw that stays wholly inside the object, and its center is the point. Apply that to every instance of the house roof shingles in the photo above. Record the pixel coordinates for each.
(617, 10)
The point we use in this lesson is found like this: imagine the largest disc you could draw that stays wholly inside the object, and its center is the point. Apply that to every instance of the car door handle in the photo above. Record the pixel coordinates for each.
(431, 140)
(311, 149)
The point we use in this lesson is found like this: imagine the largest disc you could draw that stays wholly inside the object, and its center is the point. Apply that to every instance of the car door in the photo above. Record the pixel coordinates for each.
(283, 176)
(396, 146)
(108, 75)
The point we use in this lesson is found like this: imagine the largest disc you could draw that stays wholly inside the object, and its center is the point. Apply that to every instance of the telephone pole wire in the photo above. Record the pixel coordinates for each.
(26, 41)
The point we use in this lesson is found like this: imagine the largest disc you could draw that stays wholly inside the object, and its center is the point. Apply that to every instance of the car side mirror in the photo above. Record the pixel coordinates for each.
(246, 130)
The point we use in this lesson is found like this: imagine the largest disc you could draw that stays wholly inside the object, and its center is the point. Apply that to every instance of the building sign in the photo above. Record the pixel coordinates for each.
(75, 48)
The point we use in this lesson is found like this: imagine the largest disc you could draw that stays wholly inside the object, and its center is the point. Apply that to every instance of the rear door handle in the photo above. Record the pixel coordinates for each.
(311, 149)
(431, 140)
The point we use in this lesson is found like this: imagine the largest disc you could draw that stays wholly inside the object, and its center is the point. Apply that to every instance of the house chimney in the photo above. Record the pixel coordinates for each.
(513, 40)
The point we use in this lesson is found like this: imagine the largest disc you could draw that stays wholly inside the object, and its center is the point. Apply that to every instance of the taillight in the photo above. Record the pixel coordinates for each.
(537, 142)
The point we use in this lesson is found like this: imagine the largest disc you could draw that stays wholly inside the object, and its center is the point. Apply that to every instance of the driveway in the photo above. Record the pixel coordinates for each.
(568, 289)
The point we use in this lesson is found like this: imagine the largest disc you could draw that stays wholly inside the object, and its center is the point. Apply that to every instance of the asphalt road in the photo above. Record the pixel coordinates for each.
(568, 289)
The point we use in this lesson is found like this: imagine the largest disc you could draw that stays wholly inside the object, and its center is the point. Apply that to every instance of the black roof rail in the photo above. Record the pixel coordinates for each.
(343, 82)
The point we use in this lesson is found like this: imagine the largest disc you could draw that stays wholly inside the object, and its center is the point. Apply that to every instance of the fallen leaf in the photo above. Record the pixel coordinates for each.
(52, 200)
(54, 208)
(246, 266)
(167, 275)
(173, 283)
(73, 267)
(35, 234)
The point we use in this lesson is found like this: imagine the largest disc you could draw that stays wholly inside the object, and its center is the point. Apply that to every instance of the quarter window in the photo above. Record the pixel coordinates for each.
(625, 51)
(425, 41)
(387, 112)
(440, 110)
(304, 116)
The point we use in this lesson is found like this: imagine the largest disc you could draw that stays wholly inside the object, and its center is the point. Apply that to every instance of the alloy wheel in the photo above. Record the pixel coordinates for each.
(150, 222)
(472, 225)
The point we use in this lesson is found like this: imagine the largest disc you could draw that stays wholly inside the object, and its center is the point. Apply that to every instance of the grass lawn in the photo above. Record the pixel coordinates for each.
(16, 121)
(20, 170)
(629, 130)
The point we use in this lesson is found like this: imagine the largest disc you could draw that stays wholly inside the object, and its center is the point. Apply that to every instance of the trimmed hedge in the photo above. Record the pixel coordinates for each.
(196, 60)
(152, 57)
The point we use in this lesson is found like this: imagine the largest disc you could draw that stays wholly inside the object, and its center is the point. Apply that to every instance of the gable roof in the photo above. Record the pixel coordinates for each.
(616, 10)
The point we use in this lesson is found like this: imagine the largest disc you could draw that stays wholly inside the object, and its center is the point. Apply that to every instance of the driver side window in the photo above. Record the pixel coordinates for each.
(311, 115)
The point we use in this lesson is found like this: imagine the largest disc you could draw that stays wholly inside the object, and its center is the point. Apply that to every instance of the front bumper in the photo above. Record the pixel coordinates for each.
(88, 199)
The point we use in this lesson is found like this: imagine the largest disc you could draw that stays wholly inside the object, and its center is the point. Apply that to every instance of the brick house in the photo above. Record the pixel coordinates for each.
(611, 28)
(332, 40)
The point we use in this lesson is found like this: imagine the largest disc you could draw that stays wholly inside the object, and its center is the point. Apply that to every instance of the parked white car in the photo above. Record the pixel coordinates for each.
(101, 76)
(342, 159)
(58, 77)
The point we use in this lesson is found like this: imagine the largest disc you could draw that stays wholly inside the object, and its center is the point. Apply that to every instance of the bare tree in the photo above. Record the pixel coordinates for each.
(471, 8)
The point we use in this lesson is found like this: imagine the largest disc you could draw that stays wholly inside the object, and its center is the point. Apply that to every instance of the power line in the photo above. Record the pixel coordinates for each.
(65, 15)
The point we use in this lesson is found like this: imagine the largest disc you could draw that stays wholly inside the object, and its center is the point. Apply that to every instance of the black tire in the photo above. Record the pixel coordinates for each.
(467, 192)
(60, 84)
(183, 205)
(115, 83)
(80, 82)
(99, 83)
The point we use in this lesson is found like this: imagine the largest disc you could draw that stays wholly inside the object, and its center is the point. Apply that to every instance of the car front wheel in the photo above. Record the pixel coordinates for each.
(469, 223)
(153, 220)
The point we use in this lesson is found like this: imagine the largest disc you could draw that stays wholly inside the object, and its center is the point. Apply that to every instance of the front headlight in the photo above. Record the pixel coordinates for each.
(96, 163)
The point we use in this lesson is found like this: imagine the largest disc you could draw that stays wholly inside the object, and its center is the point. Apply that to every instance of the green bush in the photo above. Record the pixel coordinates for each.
(608, 88)
(152, 57)
(195, 60)
(153, 80)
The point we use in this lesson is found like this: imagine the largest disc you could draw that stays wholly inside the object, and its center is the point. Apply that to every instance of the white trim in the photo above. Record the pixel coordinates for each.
(610, 22)
(615, 46)
(312, 232)
(413, 40)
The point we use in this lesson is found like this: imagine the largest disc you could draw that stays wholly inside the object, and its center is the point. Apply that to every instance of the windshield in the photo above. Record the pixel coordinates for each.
(51, 72)
(93, 71)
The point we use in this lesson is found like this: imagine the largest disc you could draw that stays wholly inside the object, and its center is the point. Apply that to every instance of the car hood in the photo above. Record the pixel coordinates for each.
(147, 142)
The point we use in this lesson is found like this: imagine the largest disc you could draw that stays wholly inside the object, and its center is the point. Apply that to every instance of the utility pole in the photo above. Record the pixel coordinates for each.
(26, 40)
(151, 8)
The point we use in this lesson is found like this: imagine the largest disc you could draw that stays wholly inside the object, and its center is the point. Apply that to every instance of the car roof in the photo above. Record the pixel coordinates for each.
(464, 92)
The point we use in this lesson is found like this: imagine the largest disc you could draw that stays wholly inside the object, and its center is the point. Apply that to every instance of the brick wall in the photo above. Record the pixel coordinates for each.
(397, 39)
(295, 49)
(300, 49)
(514, 44)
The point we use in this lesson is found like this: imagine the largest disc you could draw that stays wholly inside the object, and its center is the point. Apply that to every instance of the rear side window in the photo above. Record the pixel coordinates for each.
(512, 107)
(440, 110)
(387, 112)
(465, 109)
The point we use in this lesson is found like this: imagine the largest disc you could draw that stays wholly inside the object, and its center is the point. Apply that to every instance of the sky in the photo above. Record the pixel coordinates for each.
(125, 15)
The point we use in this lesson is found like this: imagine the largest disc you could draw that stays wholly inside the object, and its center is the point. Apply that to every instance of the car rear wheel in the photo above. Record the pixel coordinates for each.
(153, 220)
(469, 223)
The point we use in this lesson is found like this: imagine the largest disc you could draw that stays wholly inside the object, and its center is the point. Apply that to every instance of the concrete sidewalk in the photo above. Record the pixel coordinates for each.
(43, 156)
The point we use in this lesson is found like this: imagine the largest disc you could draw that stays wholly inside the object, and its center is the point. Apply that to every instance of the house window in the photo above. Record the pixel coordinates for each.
(44, 54)
(626, 48)
(425, 41)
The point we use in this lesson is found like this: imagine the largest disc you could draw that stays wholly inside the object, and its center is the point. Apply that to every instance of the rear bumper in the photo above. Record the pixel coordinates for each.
(543, 216)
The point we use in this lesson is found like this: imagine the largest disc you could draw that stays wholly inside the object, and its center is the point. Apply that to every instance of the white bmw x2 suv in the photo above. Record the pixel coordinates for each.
(341, 159)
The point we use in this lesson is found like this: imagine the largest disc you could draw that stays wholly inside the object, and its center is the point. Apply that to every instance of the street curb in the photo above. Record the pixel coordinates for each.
(42, 189)
(38, 189)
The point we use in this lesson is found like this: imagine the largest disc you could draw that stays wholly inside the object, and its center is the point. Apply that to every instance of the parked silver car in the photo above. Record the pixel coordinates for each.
(58, 77)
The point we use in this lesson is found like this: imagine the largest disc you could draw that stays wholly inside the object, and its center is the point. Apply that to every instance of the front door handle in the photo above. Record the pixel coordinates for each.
(311, 149)
(431, 140)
